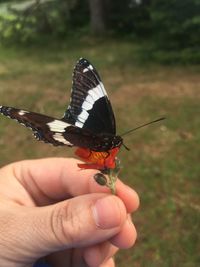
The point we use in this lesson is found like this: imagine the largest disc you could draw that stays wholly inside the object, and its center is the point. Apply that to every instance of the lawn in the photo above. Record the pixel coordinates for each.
(163, 164)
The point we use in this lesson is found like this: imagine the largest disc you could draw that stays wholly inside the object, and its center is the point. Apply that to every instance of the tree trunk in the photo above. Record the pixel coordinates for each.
(97, 16)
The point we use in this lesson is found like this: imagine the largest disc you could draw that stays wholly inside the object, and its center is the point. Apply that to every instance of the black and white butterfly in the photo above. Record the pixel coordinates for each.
(88, 122)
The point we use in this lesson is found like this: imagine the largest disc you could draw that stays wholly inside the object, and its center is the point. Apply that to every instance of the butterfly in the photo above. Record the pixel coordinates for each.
(88, 122)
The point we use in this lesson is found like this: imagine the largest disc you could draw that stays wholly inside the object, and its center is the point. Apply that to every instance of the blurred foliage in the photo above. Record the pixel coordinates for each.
(169, 30)
(36, 20)
(176, 23)
(129, 17)
(175, 30)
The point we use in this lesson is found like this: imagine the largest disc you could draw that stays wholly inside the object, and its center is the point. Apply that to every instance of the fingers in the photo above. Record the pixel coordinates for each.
(126, 237)
(94, 256)
(86, 220)
(50, 180)
(128, 196)
(109, 263)
(77, 222)
(99, 255)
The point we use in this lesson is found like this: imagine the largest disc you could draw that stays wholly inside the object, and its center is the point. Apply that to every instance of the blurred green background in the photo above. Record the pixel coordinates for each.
(147, 53)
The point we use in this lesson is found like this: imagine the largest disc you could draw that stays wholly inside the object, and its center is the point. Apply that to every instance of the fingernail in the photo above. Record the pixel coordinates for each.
(108, 212)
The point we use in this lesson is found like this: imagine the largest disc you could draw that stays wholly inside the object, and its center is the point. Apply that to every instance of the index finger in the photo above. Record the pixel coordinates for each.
(55, 179)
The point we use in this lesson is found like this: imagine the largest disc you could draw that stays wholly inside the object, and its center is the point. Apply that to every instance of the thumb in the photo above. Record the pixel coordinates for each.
(77, 222)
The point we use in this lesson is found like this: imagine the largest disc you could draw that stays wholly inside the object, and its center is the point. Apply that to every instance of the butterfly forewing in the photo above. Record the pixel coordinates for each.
(90, 107)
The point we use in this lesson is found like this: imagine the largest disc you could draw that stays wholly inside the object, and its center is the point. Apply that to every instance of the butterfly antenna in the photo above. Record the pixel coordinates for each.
(127, 148)
(141, 126)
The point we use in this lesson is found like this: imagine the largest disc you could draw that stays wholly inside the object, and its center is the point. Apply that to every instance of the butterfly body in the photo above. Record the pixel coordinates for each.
(96, 142)
(88, 123)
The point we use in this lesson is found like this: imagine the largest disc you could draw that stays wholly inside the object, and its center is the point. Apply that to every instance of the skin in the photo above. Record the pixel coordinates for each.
(50, 208)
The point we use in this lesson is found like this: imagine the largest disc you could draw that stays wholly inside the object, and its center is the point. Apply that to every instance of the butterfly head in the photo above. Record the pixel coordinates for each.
(107, 142)
(117, 141)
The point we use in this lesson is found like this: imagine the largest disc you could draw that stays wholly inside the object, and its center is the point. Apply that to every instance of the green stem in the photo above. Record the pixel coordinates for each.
(112, 176)
(112, 180)
(112, 183)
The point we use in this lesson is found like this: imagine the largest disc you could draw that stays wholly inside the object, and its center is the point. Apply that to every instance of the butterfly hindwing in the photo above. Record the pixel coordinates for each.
(45, 128)
(90, 107)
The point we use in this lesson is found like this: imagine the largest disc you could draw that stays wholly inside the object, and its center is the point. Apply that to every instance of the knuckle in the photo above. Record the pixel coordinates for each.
(65, 224)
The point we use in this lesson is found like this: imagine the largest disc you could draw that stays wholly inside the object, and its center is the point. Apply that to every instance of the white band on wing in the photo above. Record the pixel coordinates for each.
(94, 95)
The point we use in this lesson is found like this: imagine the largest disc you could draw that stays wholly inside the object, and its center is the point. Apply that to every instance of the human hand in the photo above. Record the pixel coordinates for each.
(49, 207)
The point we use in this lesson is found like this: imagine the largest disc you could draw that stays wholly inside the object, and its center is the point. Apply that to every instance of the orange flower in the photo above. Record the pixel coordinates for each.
(97, 160)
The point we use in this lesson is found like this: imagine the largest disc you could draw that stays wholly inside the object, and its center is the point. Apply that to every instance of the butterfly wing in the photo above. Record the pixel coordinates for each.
(54, 131)
(88, 118)
(89, 107)
(44, 128)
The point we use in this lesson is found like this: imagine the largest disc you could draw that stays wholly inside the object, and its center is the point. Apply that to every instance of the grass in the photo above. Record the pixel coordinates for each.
(163, 164)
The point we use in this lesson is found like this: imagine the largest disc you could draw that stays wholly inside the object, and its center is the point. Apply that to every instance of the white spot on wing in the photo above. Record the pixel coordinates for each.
(86, 105)
(79, 124)
(58, 126)
(94, 95)
(103, 88)
(22, 112)
(85, 70)
(88, 68)
(89, 99)
(60, 138)
(82, 118)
